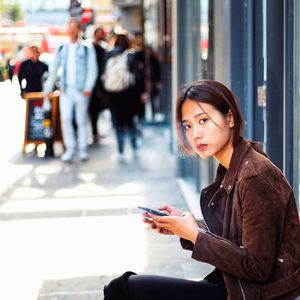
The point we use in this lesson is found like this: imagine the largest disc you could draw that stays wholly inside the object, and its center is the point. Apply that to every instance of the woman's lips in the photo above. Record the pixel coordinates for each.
(201, 147)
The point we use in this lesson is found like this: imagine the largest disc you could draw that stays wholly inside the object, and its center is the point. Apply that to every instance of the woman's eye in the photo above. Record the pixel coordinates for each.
(203, 120)
(186, 126)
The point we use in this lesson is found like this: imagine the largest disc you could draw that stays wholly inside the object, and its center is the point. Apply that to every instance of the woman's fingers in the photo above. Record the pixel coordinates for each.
(171, 210)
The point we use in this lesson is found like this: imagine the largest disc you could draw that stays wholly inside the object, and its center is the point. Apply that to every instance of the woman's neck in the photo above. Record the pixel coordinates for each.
(224, 157)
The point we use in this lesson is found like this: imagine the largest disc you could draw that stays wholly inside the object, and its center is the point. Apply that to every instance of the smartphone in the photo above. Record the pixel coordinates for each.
(153, 211)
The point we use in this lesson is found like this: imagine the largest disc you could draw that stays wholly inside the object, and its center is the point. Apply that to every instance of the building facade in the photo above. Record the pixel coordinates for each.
(252, 46)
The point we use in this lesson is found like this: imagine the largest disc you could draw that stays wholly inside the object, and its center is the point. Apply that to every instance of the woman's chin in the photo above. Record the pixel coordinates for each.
(203, 155)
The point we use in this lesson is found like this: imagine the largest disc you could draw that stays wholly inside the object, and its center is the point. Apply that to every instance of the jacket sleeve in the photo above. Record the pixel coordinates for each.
(188, 245)
(92, 68)
(262, 217)
(52, 76)
(21, 76)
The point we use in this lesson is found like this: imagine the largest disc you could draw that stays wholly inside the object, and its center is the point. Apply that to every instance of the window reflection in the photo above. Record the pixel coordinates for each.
(205, 38)
(296, 100)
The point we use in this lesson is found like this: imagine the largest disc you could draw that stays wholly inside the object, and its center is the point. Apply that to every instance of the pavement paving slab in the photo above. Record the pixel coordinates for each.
(68, 229)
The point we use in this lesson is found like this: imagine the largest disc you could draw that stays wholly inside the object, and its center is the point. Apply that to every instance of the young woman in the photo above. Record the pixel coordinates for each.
(121, 102)
(251, 230)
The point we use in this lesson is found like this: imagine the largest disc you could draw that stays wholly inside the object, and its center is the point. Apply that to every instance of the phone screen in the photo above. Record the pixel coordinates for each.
(153, 211)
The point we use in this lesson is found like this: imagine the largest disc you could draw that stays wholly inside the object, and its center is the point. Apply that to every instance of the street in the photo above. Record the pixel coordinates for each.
(67, 229)
(12, 117)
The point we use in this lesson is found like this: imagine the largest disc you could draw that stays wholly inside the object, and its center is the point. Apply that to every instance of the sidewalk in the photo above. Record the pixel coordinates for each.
(69, 228)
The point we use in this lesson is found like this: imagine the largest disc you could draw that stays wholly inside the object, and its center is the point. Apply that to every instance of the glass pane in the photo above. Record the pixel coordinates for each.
(296, 99)
(195, 62)
(204, 38)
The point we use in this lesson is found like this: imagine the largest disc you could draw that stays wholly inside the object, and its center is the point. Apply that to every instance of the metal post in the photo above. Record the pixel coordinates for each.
(274, 84)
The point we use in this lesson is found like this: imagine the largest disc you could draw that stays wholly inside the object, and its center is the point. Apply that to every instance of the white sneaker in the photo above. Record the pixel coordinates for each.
(121, 157)
(135, 154)
(139, 143)
(67, 156)
(83, 155)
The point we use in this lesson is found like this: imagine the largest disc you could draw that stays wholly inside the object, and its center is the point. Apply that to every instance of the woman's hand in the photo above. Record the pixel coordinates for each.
(148, 220)
(86, 93)
(184, 225)
(168, 209)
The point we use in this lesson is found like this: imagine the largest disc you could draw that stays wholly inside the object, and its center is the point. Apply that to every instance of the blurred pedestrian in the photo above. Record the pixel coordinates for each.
(251, 229)
(98, 100)
(153, 79)
(79, 65)
(32, 71)
(140, 95)
(3, 71)
(118, 79)
(10, 66)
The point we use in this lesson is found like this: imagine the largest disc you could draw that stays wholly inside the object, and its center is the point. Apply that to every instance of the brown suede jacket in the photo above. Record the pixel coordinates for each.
(251, 231)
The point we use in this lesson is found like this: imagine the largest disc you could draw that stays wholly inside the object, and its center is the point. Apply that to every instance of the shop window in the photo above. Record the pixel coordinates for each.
(296, 105)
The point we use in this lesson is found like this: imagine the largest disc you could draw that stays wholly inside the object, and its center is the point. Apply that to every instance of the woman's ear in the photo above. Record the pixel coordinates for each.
(230, 119)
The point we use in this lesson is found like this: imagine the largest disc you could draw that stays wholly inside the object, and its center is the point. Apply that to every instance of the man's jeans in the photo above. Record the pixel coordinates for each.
(73, 103)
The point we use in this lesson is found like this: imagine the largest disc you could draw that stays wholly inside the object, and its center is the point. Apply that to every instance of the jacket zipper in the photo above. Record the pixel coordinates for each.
(241, 287)
(219, 238)
(213, 235)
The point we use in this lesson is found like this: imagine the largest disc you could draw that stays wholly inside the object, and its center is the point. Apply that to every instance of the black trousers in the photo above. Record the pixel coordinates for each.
(94, 114)
(130, 286)
(98, 102)
(122, 111)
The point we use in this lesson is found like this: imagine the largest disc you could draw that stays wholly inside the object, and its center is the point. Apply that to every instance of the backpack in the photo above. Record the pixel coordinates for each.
(116, 76)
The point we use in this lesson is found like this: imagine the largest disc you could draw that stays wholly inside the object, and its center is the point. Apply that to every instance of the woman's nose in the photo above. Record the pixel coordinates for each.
(197, 132)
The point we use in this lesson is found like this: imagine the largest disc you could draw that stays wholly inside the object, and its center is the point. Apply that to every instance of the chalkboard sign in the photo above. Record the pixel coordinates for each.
(34, 122)
(35, 118)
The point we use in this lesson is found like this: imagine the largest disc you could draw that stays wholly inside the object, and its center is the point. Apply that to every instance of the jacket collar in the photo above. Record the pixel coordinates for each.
(239, 152)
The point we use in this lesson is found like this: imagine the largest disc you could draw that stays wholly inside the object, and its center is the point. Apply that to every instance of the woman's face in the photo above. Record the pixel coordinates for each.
(207, 130)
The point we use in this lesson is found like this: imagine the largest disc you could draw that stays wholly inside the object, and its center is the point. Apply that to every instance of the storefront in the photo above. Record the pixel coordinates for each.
(296, 100)
(193, 59)
(253, 47)
(157, 16)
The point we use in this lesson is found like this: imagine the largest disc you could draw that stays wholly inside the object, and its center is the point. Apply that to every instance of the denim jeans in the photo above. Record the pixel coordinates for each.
(73, 100)
(121, 136)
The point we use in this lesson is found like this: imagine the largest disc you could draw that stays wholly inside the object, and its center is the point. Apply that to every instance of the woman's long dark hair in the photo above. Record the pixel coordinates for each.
(122, 41)
(213, 93)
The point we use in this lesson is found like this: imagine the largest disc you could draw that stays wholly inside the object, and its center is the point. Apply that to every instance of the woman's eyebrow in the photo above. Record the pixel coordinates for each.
(196, 116)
